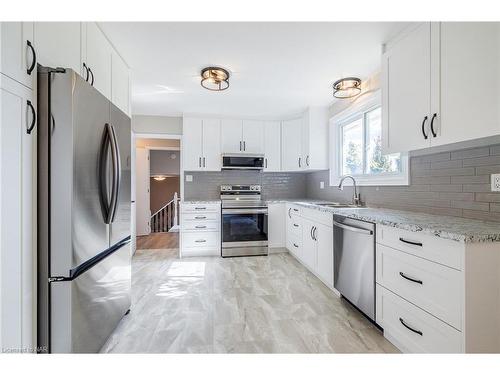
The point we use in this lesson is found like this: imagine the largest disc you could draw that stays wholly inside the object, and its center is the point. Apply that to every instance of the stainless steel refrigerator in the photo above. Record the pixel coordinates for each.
(84, 256)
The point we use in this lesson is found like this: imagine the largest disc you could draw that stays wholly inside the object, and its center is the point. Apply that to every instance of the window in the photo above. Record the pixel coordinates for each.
(356, 147)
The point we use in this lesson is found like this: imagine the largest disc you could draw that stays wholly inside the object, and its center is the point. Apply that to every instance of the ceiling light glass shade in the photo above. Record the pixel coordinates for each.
(159, 177)
(347, 88)
(215, 79)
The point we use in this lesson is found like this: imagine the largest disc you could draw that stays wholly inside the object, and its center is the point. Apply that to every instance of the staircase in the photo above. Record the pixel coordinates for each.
(167, 217)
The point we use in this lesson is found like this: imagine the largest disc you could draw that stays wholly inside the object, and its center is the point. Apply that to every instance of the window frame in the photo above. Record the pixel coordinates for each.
(359, 110)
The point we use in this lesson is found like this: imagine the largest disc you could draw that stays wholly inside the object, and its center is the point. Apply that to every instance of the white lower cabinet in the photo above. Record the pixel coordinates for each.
(276, 225)
(437, 295)
(200, 229)
(309, 238)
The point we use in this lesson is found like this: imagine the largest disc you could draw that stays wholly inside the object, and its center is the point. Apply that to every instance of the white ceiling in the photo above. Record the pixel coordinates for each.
(276, 69)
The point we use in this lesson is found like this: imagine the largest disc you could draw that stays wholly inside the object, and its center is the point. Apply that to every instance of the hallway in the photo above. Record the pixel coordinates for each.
(155, 241)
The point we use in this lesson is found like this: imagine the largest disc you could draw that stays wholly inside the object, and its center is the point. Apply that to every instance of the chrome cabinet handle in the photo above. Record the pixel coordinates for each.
(244, 145)
(200, 226)
(199, 162)
(200, 241)
(307, 160)
(200, 208)
(410, 242)
(311, 233)
(423, 127)
(410, 278)
(266, 162)
(432, 125)
(240, 145)
(296, 209)
(204, 164)
(296, 225)
(30, 128)
(87, 71)
(300, 166)
(33, 62)
(92, 74)
(289, 213)
(295, 245)
(410, 328)
(200, 217)
(314, 234)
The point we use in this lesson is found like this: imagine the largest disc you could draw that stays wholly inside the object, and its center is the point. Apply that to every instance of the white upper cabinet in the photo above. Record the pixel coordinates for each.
(470, 53)
(315, 139)
(201, 144)
(406, 99)
(120, 83)
(272, 146)
(253, 137)
(97, 59)
(18, 52)
(291, 145)
(231, 136)
(58, 44)
(212, 159)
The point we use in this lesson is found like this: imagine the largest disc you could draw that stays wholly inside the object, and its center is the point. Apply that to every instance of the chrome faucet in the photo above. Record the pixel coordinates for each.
(356, 200)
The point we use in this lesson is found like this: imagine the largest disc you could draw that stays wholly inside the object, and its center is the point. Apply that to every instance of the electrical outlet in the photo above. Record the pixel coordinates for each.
(189, 178)
(495, 182)
(322, 184)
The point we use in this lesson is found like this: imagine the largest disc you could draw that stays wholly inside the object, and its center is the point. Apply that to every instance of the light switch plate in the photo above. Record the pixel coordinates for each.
(189, 178)
(322, 184)
(495, 182)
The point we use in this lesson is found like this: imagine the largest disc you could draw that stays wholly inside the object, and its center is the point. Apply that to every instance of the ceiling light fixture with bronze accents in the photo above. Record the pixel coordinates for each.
(346, 88)
(214, 78)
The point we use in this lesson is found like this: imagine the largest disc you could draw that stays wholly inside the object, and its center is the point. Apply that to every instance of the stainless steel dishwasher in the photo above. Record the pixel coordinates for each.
(354, 262)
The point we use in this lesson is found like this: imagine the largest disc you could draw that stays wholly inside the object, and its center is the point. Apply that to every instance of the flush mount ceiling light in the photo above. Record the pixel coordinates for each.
(215, 79)
(159, 177)
(347, 88)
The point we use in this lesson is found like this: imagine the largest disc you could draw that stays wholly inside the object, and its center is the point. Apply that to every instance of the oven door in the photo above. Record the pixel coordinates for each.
(244, 227)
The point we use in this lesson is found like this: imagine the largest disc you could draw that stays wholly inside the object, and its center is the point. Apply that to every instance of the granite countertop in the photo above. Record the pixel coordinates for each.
(448, 227)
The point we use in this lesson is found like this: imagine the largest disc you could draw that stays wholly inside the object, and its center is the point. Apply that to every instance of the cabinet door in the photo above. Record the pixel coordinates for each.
(98, 59)
(272, 146)
(469, 51)
(291, 145)
(309, 251)
(120, 94)
(276, 225)
(304, 148)
(253, 137)
(58, 44)
(231, 136)
(17, 57)
(17, 216)
(406, 84)
(192, 135)
(324, 241)
(212, 160)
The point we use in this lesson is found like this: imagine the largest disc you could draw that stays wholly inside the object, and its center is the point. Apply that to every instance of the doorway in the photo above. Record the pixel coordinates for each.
(157, 188)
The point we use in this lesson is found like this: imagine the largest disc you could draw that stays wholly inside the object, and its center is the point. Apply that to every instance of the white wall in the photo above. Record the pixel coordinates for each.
(156, 124)
(161, 162)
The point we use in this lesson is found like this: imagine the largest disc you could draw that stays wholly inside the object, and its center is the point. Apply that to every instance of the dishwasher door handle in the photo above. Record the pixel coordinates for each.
(353, 229)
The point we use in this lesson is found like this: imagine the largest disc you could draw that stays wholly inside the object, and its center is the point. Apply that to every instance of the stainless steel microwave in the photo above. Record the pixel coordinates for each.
(239, 161)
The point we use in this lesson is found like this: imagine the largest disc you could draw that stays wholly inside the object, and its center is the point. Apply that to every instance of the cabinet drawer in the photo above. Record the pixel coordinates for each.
(317, 216)
(295, 227)
(201, 216)
(433, 287)
(294, 244)
(200, 239)
(205, 207)
(447, 252)
(412, 329)
(200, 225)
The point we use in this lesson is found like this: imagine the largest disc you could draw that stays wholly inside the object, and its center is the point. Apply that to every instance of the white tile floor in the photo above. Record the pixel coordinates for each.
(237, 305)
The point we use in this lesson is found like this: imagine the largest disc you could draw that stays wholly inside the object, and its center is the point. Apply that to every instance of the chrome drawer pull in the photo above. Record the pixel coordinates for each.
(410, 242)
(410, 328)
(410, 279)
(200, 208)
(200, 226)
(296, 225)
(200, 217)
(200, 241)
(295, 245)
(296, 210)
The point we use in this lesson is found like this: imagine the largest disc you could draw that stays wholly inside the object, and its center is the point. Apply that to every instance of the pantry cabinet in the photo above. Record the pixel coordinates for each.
(272, 146)
(201, 144)
(58, 44)
(426, 96)
(17, 214)
(242, 136)
(120, 83)
(18, 52)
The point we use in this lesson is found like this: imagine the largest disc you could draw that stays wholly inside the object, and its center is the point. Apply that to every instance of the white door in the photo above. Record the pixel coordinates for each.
(192, 135)
(58, 44)
(406, 85)
(120, 85)
(212, 159)
(291, 145)
(98, 59)
(231, 136)
(253, 137)
(17, 216)
(16, 54)
(272, 146)
(469, 51)
(142, 176)
(324, 244)
(308, 256)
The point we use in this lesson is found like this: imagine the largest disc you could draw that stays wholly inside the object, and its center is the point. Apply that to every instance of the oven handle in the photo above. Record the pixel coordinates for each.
(244, 211)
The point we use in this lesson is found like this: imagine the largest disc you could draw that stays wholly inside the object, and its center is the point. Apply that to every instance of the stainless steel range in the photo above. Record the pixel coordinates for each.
(244, 221)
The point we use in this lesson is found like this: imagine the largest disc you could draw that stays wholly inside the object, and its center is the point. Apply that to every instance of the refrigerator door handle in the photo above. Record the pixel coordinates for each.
(115, 155)
(103, 171)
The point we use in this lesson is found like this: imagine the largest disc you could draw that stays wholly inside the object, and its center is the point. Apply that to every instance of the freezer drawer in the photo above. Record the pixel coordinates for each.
(85, 311)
